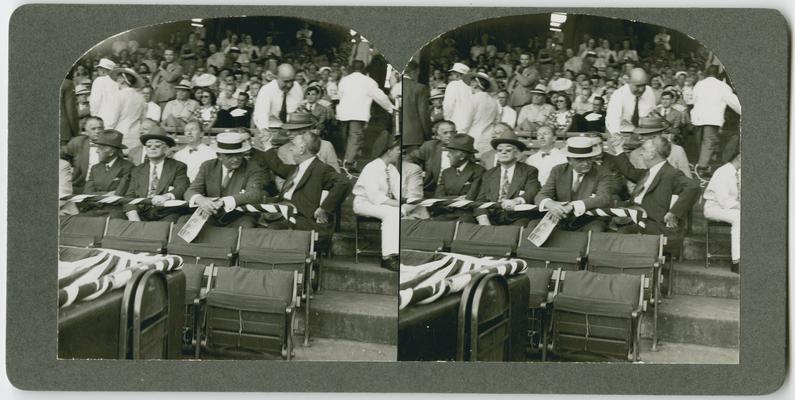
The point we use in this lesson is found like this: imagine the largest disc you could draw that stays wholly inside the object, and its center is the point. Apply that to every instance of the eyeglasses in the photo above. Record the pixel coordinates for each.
(504, 150)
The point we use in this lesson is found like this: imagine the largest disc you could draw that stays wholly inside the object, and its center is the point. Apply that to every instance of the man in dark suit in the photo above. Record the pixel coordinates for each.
(510, 184)
(265, 153)
(655, 187)
(461, 180)
(111, 173)
(415, 112)
(159, 178)
(305, 185)
(84, 153)
(577, 187)
(227, 182)
(238, 116)
(432, 156)
(674, 118)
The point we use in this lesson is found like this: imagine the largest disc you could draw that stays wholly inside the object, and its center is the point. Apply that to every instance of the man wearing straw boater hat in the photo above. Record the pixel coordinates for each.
(159, 178)
(457, 102)
(103, 93)
(509, 184)
(228, 182)
(130, 105)
(110, 174)
(578, 186)
(461, 180)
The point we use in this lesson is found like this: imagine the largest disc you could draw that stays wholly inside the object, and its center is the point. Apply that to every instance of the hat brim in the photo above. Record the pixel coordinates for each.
(596, 150)
(496, 142)
(118, 146)
(535, 91)
(470, 150)
(244, 147)
(139, 81)
(296, 126)
(165, 139)
(646, 131)
(492, 83)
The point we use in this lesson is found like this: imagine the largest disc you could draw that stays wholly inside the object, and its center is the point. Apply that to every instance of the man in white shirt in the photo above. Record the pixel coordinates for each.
(547, 156)
(722, 203)
(357, 93)
(216, 58)
(710, 98)
(177, 112)
(102, 101)
(130, 105)
(195, 153)
(457, 103)
(278, 97)
(630, 102)
(533, 115)
(153, 110)
(507, 114)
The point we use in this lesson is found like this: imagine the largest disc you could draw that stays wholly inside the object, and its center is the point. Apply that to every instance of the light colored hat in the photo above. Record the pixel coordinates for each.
(539, 89)
(560, 85)
(205, 80)
(106, 63)
(460, 68)
(582, 147)
(82, 89)
(486, 83)
(676, 75)
(183, 84)
(436, 94)
(324, 69)
(230, 143)
(133, 78)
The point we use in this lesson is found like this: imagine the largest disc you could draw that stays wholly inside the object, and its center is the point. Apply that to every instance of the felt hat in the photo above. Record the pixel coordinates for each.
(133, 78)
(159, 134)
(230, 143)
(508, 137)
(582, 147)
(81, 90)
(462, 142)
(110, 137)
(299, 120)
(460, 68)
(647, 125)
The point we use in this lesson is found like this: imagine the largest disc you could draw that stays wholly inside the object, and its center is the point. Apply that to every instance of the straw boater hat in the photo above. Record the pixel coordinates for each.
(183, 84)
(158, 133)
(508, 137)
(130, 76)
(205, 80)
(230, 143)
(462, 142)
(539, 89)
(106, 63)
(582, 147)
(436, 94)
(460, 68)
(484, 81)
(110, 137)
(81, 90)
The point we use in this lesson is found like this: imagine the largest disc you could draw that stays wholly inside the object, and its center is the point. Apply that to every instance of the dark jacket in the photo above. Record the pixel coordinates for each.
(114, 180)
(429, 157)
(415, 112)
(596, 187)
(454, 184)
(245, 184)
(524, 184)
(317, 178)
(173, 179)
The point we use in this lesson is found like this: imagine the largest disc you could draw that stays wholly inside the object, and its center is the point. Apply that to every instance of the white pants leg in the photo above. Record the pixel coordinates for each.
(731, 216)
(390, 223)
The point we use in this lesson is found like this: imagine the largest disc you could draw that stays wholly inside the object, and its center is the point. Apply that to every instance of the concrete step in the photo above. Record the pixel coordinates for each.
(321, 349)
(344, 275)
(683, 353)
(361, 317)
(692, 278)
(344, 243)
(700, 320)
(695, 247)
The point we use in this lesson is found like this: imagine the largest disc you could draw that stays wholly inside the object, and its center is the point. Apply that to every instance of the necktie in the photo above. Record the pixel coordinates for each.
(575, 183)
(288, 183)
(389, 184)
(640, 186)
(635, 114)
(153, 182)
(283, 112)
(544, 154)
(225, 180)
(504, 186)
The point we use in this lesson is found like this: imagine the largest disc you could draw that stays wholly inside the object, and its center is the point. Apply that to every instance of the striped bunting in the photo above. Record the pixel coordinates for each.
(636, 215)
(449, 273)
(287, 210)
(89, 275)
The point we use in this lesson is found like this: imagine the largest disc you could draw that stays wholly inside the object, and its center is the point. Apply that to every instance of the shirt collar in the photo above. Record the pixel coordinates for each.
(656, 168)
(111, 162)
(464, 165)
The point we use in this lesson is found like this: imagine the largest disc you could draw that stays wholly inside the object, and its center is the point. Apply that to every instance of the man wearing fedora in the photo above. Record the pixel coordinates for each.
(432, 156)
(484, 109)
(168, 74)
(415, 113)
(111, 173)
(510, 183)
(299, 123)
(534, 114)
(525, 77)
(177, 112)
(649, 128)
(130, 105)
(577, 186)
(457, 104)
(461, 180)
(548, 155)
(103, 92)
(227, 182)
(159, 178)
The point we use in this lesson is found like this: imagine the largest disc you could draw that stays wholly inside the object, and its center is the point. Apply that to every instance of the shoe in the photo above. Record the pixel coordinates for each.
(736, 267)
(392, 263)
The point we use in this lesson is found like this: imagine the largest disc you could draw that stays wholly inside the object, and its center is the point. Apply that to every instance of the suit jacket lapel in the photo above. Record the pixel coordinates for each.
(306, 175)
(518, 177)
(166, 176)
(657, 178)
(85, 154)
(213, 181)
(565, 181)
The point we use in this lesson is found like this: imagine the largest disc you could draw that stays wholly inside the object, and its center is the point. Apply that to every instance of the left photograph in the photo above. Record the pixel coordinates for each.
(229, 189)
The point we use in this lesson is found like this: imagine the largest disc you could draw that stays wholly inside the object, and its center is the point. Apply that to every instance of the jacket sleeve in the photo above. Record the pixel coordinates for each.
(441, 191)
(338, 187)
(89, 186)
(687, 189)
(623, 166)
(549, 190)
(125, 176)
(474, 188)
(255, 179)
(604, 192)
(199, 185)
(482, 194)
(532, 186)
(181, 182)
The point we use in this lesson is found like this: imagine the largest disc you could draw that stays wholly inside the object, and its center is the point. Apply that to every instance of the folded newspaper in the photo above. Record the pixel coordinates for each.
(541, 233)
(194, 225)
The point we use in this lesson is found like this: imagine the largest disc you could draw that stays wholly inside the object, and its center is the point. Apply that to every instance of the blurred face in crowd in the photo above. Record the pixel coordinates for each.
(254, 88)
(212, 48)
(205, 98)
(242, 99)
(312, 96)
(608, 92)
(437, 103)
(524, 60)
(147, 126)
(444, 132)
(598, 104)
(546, 137)
(106, 153)
(666, 100)
(502, 98)
(457, 157)
(585, 85)
(193, 131)
(581, 165)
(155, 149)
(538, 99)
(231, 161)
(93, 128)
(561, 103)
(507, 153)
(147, 93)
(168, 56)
(182, 94)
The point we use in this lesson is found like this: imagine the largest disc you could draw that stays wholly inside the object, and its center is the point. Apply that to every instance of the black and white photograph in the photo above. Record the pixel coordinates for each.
(571, 192)
(229, 190)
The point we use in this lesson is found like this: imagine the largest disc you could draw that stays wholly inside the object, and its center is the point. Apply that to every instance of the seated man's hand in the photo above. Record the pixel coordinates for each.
(508, 204)
(159, 199)
(671, 221)
(208, 205)
(321, 216)
(558, 209)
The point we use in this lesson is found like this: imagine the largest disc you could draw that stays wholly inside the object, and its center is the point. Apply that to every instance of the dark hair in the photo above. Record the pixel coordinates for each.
(357, 66)
(712, 70)
(445, 121)
(600, 98)
(212, 95)
(565, 97)
(668, 93)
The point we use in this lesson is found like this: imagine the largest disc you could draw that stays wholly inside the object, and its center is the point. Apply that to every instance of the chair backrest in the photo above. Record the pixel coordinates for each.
(150, 317)
(561, 250)
(485, 240)
(596, 293)
(540, 279)
(289, 250)
(198, 279)
(625, 253)
(217, 245)
(417, 234)
(137, 236)
(272, 284)
(487, 328)
(81, 231)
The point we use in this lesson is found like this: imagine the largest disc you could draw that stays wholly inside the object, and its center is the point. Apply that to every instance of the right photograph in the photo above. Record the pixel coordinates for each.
(570, 192)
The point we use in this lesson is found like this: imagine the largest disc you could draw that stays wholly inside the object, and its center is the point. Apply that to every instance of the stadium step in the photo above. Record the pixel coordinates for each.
(692, 278)
(344, 243)
(361, 317)
(344, 275)
(344, 350)
(699, 320)
(696, 249)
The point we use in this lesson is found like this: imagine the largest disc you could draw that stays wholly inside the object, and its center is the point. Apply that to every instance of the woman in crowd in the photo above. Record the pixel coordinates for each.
(207, 113)
(562, 119)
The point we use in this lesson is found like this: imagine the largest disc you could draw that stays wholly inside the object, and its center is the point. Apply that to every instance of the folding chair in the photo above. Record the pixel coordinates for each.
(485, 240)
(213, 245)
(597, 314)
(198, 281)
(633, 254)
(252, 310)
(538, 309)
(286, 250)
(562, 249)
(144, 317)
(137, 236)
(427, 235)
(484, 320)
(80, 231)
